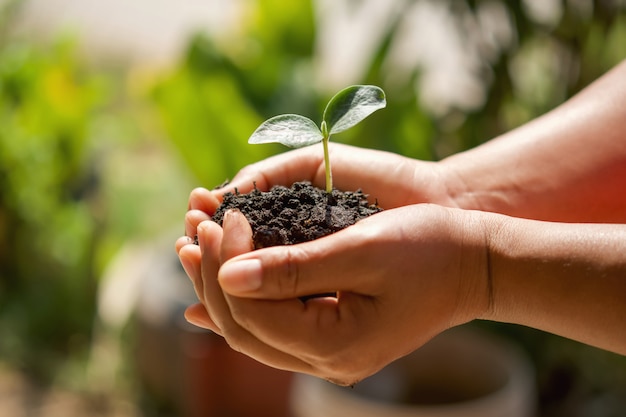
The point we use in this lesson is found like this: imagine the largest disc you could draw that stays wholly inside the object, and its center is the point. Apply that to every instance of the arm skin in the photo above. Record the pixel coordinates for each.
(566, 279)
(529, 228)
(568, 165)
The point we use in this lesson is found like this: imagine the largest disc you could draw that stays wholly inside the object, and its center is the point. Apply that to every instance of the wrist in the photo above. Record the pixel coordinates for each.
(455, 175)
(482, 179)
(475, 294)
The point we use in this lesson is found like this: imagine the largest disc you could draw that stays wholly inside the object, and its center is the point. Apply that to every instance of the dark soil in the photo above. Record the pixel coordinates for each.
(286, 216)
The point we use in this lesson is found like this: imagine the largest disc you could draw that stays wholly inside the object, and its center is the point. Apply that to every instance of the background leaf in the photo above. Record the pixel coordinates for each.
(291, 130)
(351, 105)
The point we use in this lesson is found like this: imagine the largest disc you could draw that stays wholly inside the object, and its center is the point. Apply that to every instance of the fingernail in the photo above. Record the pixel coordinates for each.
(233, 212)
(241, 276)
(231, 217)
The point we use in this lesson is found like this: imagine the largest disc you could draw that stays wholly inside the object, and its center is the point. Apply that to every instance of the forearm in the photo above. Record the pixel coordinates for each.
(566, 279)
(569, 165)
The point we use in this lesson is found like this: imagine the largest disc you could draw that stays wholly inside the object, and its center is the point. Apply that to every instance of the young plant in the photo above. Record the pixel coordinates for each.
(346, 109)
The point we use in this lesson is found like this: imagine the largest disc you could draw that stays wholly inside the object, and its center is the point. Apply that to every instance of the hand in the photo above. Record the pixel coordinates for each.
(201, 263)
(401, 276)
(391, 179)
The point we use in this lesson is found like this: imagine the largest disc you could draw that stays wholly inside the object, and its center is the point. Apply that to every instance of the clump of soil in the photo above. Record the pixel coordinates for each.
(286, 216)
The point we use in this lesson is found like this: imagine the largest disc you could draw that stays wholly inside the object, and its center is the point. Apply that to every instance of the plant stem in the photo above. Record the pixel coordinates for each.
(329, 175)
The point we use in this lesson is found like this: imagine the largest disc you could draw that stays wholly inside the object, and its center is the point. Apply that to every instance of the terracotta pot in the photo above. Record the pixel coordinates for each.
(459, 373)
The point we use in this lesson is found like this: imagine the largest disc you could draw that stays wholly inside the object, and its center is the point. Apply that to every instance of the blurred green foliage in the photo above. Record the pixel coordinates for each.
(205, 115)
(214, 100)
(219, 94)
(222, 90)
(548, 64)
(48, 201)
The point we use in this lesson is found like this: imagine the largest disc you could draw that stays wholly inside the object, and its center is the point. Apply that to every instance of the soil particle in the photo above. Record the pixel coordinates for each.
(286, 216)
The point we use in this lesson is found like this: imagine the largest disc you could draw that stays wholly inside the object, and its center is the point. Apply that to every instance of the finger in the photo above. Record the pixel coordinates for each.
(204, 200)
(197, 315)
(300, 340)
(209, 241)
(294, 271)
(322, 332)
(190, 256)
(237, 239)
(237, 235)
(181, 242)
(304, 164)
(219, 313)
(379, 181)
(192, 219)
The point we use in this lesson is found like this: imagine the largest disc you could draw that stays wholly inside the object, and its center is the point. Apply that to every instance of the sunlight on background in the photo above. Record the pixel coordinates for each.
(112, 111)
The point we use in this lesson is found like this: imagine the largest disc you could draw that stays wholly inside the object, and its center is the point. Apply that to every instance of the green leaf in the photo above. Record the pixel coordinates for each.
(351, 105)
(289, 129)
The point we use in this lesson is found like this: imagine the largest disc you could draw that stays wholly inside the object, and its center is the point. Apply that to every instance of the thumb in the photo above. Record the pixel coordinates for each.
(237, 237)
(327, 265)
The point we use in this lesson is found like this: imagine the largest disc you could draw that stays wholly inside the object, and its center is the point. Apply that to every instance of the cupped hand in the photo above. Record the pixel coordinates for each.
(391, 179)
(401, 277)
(201, 263)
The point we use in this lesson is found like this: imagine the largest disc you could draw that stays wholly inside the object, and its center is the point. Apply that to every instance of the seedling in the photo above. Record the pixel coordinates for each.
(346, 109)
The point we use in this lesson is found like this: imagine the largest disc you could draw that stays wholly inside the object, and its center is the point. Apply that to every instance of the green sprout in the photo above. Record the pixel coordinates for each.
(346, 109)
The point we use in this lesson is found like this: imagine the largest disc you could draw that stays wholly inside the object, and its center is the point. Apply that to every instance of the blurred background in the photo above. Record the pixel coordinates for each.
(111, 112)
